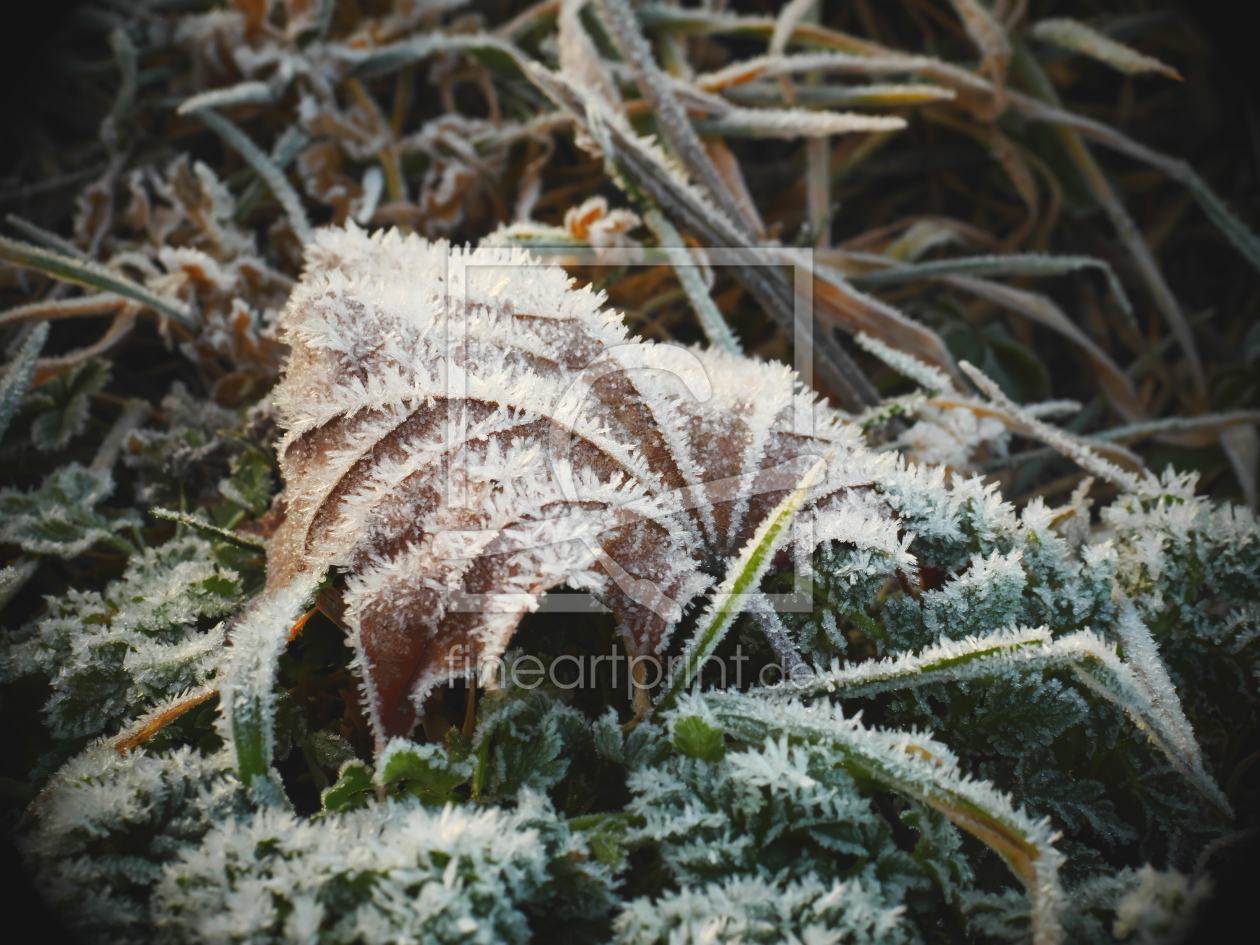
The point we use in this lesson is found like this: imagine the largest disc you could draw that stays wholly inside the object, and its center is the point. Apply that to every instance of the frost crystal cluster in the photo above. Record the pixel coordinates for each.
(985, 723)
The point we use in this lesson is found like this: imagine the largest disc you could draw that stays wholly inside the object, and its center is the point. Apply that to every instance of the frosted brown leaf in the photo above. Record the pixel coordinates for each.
(466, 431)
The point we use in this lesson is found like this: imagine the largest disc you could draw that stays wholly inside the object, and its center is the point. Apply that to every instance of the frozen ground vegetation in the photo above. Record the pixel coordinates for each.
(425, 317)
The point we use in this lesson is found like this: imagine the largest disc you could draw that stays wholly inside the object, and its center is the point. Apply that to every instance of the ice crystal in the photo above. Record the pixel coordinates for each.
(385, 873)
(950, 436)
(759, 908)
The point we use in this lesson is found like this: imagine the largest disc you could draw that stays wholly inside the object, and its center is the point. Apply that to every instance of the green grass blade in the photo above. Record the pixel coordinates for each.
(491, 50)
(239, 94)
(208, 529)
(1237, 232)
(282, 154)
(247, 682)
(745, 573)
(875, 95)
(40, 235)
(715, 328)
(793, 123)
(268, 171)
(17, 375)
(1084, 39)
(1234, 229)
(947, 661)
(671, 118)
(1013, 265)
(93, 276)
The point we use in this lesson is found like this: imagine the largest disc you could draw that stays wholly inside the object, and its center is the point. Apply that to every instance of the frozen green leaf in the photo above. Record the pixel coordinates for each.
(423, 771)
(696, 738)
(61, 405)
(252, 482)
(353, 789)
(61, 517)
